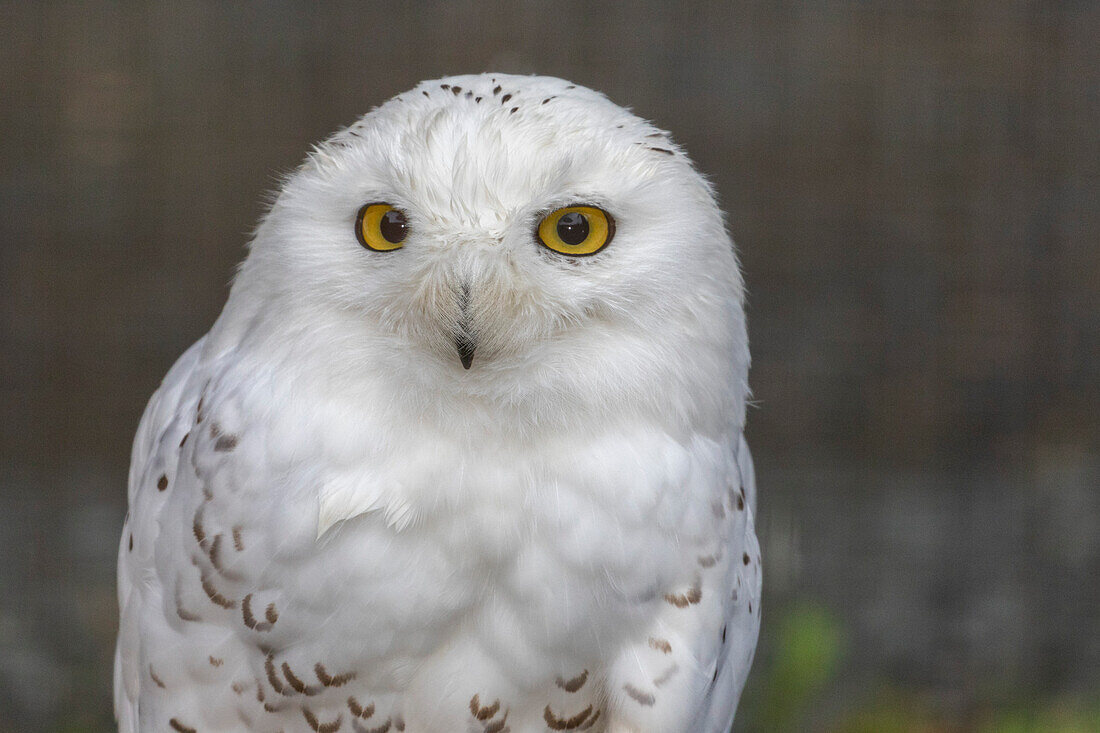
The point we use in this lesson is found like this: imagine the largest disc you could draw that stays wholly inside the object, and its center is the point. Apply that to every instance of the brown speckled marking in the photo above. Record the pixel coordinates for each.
(399, 722)
(199, 416)
(297, 684)
(358, 710)
(157, 680)
(260, 697)
(574, 684)
(213, 594)
(662, 150)
(176, 725)
(272, 677)
(683, 600)
(215, 553)
(745, 558)
(496, 90)
(660, 645)
(238, 545)
(425, 94)
(591, 721)
(707, 561)
(185, 437)
(737, 499)
(215, 661)
(359, 728)
(250, 619)
(483, 713)
(162, 482)
(238, 688)
(225, 443)
(319, 726)
(666, 675)
(246, 612)
(216, 559)
(197, 528)
(329, 680)
(184, 614)
(131, 542)
(553, 722)
(642, 698)
(498, 726)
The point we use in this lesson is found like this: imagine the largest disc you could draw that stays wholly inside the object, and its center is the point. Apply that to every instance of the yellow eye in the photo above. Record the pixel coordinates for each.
(381, 227)
(577, 230)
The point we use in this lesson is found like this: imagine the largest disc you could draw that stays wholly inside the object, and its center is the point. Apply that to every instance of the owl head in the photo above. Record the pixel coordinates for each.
(510, 240)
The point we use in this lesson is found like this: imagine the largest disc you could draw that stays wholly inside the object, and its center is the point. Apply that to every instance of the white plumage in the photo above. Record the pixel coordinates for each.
(334, 526)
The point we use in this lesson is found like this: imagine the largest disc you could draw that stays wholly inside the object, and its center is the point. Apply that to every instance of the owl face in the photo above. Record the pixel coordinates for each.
(480, 227)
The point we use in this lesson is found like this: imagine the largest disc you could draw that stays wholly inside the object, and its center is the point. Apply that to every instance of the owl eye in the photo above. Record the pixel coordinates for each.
(577, 230)
(381, 227)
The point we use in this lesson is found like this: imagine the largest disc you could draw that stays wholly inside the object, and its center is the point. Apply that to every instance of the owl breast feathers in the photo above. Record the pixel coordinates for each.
(463, 451)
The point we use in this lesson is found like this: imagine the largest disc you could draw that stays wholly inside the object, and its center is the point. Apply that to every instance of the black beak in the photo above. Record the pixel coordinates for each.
(465, 340)
(466, 346)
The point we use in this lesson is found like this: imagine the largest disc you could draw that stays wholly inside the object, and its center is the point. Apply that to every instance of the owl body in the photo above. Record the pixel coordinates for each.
(335, 526)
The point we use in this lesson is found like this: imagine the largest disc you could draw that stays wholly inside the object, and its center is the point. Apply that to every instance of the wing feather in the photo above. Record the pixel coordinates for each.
(167, 405)
(742, 614)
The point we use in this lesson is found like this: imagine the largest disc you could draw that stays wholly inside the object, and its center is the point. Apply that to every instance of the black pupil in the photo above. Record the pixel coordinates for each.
(573, 228)
(393, 226)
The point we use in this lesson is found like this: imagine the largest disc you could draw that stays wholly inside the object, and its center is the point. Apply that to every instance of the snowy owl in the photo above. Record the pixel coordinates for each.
(463, 452)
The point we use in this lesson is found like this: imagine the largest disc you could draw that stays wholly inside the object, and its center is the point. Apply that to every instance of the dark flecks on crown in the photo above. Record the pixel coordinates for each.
(506, 97)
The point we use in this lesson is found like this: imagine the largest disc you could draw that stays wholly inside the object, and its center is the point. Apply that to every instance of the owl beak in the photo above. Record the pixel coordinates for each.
(464, 338)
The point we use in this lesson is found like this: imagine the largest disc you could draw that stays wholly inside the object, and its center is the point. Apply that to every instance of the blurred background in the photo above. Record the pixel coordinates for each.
(915, 191)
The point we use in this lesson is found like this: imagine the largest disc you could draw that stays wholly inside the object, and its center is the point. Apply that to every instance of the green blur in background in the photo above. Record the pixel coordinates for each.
(915, 192)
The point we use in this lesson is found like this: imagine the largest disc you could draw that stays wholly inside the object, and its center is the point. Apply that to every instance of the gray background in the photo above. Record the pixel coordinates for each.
(914, 189)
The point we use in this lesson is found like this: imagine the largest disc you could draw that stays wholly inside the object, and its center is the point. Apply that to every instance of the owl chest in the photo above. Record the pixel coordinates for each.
(516, 552)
